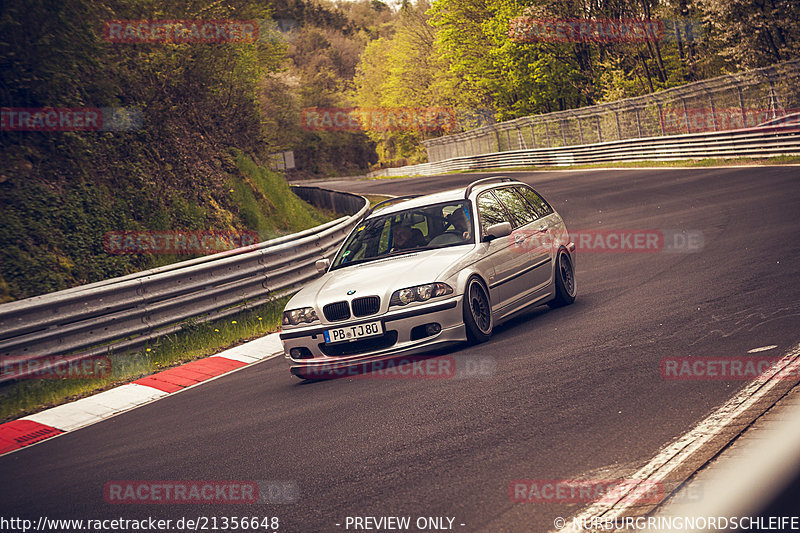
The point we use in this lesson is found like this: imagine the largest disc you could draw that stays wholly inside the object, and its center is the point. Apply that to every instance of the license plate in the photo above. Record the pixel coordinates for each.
(351, 333)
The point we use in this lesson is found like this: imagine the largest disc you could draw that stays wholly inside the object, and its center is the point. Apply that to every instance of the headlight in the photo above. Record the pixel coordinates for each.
(299, 316)
(404, 296)
(424, 292)
(420, 293)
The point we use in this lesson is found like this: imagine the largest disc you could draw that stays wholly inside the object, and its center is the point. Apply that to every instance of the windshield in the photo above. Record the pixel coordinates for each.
(420, 228)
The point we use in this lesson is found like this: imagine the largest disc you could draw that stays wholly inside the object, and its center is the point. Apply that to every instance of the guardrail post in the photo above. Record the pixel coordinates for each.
(741, 104)
(686, 114)
(638, 121)
(521, 140)
(547, 132)
(713, 109)
(599, 129)
(773, 99)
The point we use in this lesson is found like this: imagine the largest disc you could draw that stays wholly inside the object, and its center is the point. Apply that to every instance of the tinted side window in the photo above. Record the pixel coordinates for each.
(490, 210)
(538, 203)
(517, 206)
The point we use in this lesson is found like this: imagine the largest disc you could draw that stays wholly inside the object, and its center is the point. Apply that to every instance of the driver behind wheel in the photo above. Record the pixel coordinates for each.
(458, 219)
(406, 237)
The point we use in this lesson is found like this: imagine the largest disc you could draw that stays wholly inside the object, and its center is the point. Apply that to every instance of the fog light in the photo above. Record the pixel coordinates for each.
(300, 353)
(424, 331)
(433, 329)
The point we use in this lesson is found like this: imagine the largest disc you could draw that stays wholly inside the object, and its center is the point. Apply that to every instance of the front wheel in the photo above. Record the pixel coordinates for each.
(565, 281)
(477, 312)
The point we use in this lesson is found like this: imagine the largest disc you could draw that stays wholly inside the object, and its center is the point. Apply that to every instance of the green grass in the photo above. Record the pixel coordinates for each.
(267, 204)
(376, 198)
(24, 397)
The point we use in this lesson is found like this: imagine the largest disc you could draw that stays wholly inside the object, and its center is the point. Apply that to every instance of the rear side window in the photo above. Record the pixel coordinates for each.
(538, 203)
(490, 211)
(517, 206)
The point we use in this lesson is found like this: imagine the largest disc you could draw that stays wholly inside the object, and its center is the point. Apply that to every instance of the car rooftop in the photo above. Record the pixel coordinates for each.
(438, 197)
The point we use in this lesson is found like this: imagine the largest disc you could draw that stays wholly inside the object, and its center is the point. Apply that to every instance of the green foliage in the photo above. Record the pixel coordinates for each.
(323, 50)
(754, 33)
(479, 66)
(60, 193)
(404, 70)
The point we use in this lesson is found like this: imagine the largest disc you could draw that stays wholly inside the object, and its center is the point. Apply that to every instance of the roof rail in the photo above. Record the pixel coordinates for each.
(389, 200)
(484, 180)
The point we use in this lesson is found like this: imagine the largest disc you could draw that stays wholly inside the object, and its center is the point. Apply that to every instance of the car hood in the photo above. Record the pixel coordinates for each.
(380, 277)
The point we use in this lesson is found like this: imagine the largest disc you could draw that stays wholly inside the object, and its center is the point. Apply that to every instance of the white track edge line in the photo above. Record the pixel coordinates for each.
(684, 446)
(166, 395)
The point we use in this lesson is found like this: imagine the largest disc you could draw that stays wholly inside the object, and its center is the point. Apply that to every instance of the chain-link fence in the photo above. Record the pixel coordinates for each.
(728, 102)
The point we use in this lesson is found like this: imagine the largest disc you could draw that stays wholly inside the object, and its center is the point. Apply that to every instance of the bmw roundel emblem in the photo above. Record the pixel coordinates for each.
(351, 291)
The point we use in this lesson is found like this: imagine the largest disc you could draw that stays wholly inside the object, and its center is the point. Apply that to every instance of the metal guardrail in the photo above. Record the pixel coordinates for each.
(753, 142)
(125, 313)
(732, 101)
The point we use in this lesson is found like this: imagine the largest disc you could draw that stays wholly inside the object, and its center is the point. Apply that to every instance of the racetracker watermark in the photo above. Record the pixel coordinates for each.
(585, 30)
(725, 368)
(585, 491)
(55, 367)
(177, 242)
(699, 119)
(198, 31)
(409, 367)
(609, 241)
(203, 492)
(58, 119)
(354, 119)
(679, 523)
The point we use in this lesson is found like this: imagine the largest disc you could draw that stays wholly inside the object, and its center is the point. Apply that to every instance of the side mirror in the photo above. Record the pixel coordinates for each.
(496, 231)
(322, 265)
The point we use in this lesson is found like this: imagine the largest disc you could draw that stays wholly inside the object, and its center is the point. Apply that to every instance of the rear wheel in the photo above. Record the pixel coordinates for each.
(477, 312)
(565, 281)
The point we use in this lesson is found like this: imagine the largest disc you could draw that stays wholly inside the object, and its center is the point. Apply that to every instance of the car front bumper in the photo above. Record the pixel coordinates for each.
(396, 340)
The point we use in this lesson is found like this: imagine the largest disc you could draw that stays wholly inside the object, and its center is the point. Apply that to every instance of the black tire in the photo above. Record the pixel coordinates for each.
(477, 311)
(565, 281)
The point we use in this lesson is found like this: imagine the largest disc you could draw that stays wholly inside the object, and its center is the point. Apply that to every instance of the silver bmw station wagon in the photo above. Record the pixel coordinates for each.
(431, 270)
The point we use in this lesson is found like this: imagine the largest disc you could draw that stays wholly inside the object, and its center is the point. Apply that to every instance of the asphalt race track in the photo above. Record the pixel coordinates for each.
(575, 392)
